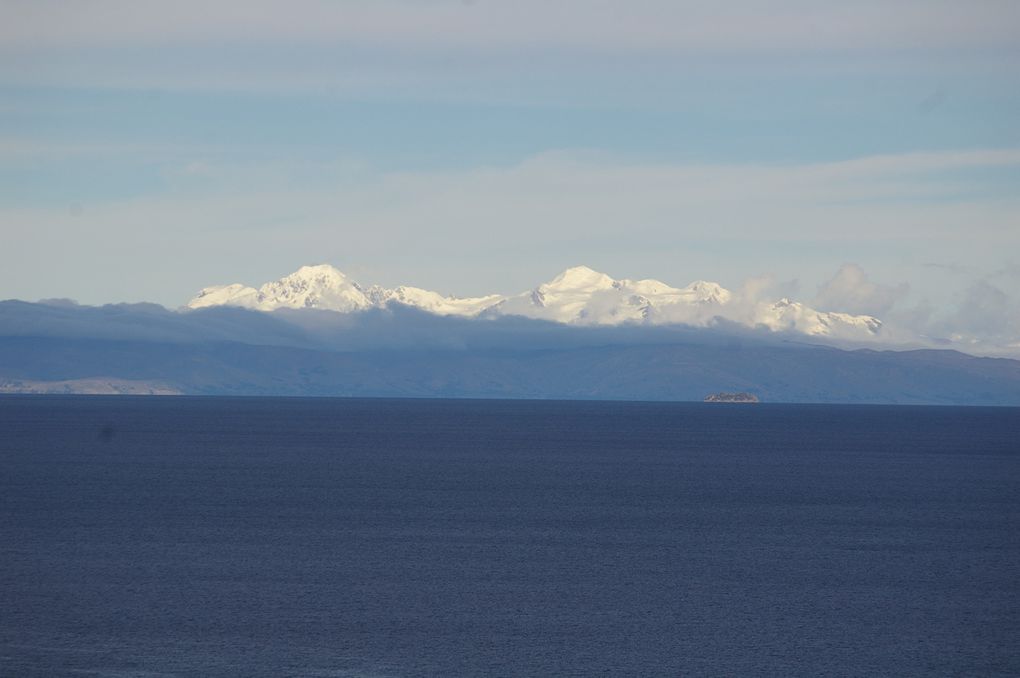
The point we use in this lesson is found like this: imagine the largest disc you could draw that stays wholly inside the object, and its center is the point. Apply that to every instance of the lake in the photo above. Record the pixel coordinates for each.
(149, 536)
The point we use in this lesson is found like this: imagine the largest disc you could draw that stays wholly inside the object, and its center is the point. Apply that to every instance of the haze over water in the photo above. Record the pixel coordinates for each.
(330, 537)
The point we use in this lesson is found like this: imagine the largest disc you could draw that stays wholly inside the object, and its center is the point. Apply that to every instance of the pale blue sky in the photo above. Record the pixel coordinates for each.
(150, 149)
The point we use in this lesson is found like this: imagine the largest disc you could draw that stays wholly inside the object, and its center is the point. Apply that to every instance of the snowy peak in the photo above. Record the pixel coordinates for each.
(787, 315)
(708, 292)
(433, 302)
(321, 277)
(579, 295)
(326, 288)
(322, 287)
(649, 288)
(578, 279)
(564, 298)
(325, 271)
(225, 295)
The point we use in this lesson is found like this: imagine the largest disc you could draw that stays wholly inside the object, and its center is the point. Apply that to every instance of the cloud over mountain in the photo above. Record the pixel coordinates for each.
(851, 291)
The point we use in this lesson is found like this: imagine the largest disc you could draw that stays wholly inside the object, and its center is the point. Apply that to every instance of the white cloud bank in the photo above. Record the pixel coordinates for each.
(851, 291)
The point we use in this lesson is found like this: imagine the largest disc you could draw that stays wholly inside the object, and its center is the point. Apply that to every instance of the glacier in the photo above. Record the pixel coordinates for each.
(578, 296)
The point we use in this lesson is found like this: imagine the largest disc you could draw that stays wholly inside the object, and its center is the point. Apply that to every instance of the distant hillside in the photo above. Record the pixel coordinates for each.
(403, 351)
(92, 386)
(643, 372)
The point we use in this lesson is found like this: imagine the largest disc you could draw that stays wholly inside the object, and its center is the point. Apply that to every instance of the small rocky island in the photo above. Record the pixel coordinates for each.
(731, 398)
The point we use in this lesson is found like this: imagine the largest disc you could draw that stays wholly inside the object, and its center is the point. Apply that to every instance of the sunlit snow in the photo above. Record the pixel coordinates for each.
(577, 296)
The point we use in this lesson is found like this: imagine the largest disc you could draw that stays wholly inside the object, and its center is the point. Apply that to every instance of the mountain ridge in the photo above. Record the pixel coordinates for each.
(678, 372)
(402, 351)
(579, 295)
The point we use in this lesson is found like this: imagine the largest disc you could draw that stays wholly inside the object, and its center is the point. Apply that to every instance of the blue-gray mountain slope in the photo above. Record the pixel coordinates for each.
(408, 353)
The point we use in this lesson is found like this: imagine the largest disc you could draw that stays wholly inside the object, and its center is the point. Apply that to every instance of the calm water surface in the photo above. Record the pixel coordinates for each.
(321, 537)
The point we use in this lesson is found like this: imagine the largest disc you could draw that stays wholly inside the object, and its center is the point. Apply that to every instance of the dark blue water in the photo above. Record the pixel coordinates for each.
(201, 537)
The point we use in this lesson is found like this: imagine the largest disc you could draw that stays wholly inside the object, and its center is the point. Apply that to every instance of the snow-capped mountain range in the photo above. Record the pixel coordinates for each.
(577, 296)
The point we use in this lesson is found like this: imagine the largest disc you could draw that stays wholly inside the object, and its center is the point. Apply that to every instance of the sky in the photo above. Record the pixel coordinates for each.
(863, 157)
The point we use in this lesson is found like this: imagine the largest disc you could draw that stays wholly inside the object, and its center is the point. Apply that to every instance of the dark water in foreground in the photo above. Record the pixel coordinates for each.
(199, 537)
